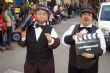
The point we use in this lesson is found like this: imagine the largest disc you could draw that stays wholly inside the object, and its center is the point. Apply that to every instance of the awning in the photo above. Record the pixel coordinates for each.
(9, 1)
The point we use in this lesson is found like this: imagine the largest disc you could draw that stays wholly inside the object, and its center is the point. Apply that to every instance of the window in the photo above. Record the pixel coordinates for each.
(105, 13)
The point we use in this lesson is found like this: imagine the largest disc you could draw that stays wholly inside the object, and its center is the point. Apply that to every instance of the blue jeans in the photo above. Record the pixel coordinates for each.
(9, 35)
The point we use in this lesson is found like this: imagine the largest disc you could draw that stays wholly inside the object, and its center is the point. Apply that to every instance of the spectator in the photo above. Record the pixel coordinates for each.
(8, 17)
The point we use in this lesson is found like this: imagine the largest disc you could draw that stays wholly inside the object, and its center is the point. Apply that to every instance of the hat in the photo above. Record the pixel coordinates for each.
(89, 10)
(44, 9)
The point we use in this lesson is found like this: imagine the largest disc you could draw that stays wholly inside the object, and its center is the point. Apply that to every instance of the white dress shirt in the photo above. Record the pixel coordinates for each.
(38, 32)
(98, 31)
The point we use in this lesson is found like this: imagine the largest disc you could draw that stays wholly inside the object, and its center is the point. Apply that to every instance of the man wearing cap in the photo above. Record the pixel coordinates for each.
(86, 62)
(40, 40)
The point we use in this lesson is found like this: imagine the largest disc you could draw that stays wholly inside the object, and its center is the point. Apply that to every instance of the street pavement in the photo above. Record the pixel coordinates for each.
(13, 61)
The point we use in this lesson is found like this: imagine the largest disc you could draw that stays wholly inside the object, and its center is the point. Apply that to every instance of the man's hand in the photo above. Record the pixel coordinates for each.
(48, 36)
(81, 33)
(23, 38)
(23, 35)
(87, 55)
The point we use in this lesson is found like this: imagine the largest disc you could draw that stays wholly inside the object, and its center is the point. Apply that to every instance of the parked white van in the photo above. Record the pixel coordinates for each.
(104, 21)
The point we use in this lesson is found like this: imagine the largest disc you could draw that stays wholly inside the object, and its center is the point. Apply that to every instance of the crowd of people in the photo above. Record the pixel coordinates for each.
(10, 20)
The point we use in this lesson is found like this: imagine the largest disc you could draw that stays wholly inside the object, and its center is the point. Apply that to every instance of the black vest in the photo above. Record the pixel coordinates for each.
(38, 50)
(79, 61)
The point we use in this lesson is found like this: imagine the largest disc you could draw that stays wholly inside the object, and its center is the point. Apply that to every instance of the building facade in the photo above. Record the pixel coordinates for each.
(83, 1)
(71, 1)
(108, 0)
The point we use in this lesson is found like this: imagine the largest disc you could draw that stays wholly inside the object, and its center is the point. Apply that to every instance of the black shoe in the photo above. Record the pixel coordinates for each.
(4, 45)
(1, 49)
(9, 48)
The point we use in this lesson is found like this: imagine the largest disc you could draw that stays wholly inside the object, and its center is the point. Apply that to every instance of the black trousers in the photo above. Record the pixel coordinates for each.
(72, 69)
(39, 67)
(1, 38)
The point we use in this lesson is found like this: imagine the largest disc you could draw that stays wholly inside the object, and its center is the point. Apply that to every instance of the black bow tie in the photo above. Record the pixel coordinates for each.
(37, 25)
(87, 28)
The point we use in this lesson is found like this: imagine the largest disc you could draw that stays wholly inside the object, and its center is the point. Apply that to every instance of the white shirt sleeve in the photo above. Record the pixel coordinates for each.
(51, 42)
(102, 40)
(68, 32)
(54, 35)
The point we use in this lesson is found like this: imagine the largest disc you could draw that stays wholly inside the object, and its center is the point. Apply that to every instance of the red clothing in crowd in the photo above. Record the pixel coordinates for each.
(2, 24)
(33, 18)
